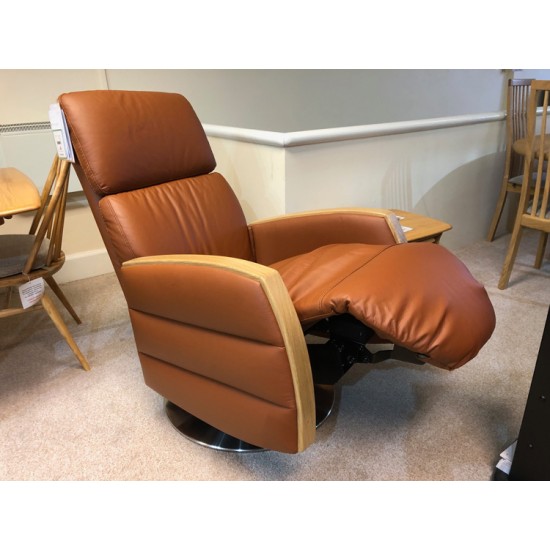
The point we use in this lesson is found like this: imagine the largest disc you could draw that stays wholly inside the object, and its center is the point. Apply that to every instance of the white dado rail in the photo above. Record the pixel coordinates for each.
(312, 137)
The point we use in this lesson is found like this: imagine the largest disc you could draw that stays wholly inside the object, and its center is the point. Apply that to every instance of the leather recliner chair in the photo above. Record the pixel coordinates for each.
(221, 309)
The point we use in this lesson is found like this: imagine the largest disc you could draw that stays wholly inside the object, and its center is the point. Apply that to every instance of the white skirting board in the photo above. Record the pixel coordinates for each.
(82, 265)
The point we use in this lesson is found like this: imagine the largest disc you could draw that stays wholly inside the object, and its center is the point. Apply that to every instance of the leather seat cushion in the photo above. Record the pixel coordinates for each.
(416, 295)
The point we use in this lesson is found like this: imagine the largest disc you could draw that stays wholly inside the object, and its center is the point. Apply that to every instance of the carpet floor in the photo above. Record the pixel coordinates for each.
(391, 421)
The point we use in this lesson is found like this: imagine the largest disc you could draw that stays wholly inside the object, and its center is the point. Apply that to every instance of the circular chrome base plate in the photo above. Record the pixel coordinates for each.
(202, 433)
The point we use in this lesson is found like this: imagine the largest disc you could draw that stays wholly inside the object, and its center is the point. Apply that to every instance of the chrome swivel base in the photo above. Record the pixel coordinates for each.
(202, 433)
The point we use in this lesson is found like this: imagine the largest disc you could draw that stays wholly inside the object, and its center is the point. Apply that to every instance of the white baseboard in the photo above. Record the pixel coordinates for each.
(82, 265)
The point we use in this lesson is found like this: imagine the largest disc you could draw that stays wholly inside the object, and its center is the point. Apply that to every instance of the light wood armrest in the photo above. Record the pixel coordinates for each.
(144, 292)
(278, 238)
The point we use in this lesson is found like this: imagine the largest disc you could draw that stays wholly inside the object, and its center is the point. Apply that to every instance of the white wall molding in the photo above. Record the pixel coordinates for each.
(259, 137)
(312, 137)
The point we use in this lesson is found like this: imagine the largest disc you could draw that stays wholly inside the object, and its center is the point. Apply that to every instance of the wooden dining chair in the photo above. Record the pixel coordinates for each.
(533, 208)
(517, 102)
(25, 258)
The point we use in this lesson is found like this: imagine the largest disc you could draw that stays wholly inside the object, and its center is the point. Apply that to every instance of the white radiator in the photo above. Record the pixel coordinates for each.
(30, 147)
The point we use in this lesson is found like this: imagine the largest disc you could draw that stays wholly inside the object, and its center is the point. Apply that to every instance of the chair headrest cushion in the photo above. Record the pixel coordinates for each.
(126, 140)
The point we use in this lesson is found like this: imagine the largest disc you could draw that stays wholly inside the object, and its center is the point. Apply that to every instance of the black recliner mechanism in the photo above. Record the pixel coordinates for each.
(345, 345)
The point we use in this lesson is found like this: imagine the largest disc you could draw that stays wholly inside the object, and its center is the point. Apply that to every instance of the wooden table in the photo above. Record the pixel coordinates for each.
(18, 193)
(421, 228)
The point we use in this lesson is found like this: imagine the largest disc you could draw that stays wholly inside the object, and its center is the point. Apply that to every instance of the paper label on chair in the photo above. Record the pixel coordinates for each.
(31, 292)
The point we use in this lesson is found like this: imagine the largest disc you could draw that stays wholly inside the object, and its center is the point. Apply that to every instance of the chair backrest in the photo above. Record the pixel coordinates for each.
(535, 211)
(49, 219)
(24, 256)
(517, 103)
(145, 165)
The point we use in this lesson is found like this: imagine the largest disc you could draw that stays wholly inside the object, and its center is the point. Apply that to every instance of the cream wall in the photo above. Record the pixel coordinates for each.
(256, 173)
(451, 174)
(26, 94)
(285, 100)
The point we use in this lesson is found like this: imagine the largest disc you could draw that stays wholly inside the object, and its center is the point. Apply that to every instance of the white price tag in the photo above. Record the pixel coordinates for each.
(60, 131)
(59, 145)
(31, 292)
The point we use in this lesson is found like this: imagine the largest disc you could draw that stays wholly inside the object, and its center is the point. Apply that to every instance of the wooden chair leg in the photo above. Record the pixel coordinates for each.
(62, 298)
(541, 249)
(498, 212)
(51, 310)
(510, 256)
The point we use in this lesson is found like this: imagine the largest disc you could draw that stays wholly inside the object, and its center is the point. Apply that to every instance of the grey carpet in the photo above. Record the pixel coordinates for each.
(391, 421)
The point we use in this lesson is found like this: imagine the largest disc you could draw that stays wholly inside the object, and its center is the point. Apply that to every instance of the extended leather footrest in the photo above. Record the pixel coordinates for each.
(418, 296)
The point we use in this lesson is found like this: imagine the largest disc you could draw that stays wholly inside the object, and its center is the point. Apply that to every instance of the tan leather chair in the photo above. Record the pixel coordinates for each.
(221, 309)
